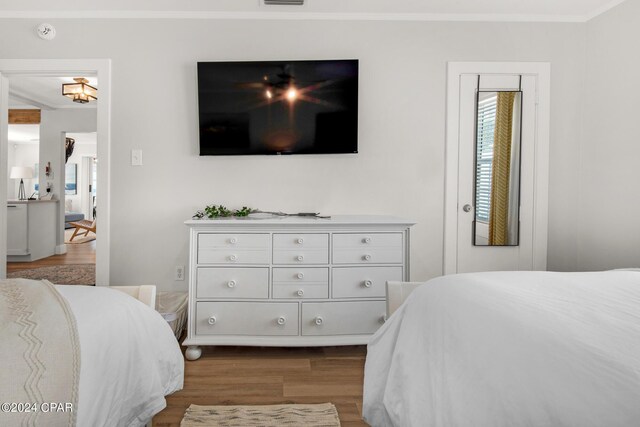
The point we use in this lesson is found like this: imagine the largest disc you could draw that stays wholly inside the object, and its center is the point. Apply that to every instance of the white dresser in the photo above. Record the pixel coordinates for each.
(292, 281)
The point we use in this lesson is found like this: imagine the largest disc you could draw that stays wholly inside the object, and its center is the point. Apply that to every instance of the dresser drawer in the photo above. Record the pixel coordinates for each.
(249, 318)
(226, 282)
(367, 248)
(315, 241)
(363, 282)
(342, 318)
(300, 283)
(300, 248)
(236, 248)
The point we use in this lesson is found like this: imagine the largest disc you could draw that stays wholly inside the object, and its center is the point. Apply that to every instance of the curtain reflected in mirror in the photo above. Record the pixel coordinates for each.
(497, 163)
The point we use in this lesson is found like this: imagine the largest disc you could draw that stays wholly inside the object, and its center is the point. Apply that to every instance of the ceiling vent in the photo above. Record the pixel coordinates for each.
(283, 2)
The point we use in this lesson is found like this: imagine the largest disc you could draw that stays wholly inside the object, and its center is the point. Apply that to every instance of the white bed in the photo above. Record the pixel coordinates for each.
(130, 359)
(510, 349)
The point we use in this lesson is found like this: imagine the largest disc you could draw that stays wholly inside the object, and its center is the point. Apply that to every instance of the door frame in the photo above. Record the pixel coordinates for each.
(542, 72)
(87, 179)
(102, 69)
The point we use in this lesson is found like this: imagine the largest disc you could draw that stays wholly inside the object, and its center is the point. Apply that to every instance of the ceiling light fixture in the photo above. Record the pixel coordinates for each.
(80, 91)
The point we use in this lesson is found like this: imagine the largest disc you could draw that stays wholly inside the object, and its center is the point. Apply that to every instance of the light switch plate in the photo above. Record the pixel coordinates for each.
(136, 157)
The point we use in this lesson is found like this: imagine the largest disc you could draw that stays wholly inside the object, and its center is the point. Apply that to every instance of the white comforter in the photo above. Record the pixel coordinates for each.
(129, 357)
(510, 349)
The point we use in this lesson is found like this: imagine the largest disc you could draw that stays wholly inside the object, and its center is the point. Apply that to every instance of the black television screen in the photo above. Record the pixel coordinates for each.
(278, 107)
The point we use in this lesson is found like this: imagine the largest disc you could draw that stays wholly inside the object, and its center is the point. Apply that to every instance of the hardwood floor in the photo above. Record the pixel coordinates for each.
(265, 376)
(83, 253)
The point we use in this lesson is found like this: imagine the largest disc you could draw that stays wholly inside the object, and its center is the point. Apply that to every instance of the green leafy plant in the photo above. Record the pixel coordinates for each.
(220, 211)
(245, 211)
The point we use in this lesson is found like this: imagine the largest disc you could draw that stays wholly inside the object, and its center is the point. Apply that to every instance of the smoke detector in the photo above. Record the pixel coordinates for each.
(46, 31)
(283, 2)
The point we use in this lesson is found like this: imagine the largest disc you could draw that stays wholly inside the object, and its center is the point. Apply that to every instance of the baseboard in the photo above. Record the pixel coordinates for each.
(61, 249)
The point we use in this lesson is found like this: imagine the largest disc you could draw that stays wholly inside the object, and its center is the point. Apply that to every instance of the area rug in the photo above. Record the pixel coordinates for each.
(69, 274)
(320, 415)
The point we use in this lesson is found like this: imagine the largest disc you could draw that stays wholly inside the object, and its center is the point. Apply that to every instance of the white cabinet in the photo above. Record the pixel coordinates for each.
(292, 281)
(17, 231)
(31, 229)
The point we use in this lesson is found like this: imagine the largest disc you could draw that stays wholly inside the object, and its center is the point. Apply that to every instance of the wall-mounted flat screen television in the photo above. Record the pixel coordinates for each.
(278, 107)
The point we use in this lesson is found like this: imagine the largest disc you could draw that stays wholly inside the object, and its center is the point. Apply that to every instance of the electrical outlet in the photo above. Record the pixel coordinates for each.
(179, 272)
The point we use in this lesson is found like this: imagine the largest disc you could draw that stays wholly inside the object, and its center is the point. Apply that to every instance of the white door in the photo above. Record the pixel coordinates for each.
(495, 208)
(4, 134)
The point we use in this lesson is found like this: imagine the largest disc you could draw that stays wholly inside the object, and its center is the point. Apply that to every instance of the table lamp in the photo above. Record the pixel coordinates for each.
(21, 172)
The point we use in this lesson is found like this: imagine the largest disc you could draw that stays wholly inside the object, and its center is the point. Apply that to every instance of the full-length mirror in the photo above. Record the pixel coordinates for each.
(497, 168)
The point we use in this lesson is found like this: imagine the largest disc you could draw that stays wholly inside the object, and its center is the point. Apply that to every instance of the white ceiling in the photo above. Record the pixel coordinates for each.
(44, 92)
(552, 10)
(24, 134)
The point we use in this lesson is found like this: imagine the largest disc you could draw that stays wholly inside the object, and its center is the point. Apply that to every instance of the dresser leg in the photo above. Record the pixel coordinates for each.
(193, 352)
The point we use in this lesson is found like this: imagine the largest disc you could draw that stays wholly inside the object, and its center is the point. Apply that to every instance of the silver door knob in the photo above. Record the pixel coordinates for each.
(467, 208)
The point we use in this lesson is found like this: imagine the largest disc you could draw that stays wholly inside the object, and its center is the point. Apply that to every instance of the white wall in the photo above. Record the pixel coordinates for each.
(22, 155)
(11, 161)
(607, 212)
(399, 169)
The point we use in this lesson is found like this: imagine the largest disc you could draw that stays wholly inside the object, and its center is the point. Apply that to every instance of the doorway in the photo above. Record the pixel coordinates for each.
(39, 244)
(55, 68)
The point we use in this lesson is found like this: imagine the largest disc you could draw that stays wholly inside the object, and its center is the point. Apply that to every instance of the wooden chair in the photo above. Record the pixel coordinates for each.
(83, 227)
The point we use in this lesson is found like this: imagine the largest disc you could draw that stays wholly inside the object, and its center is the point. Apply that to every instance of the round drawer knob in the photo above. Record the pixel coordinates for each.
(366, 240)
(300, 275)
(300, 241)
(368, 283)
(319, 320)
(233, 257)
(299, 257)
(383, 318)
(233, 240)
(231, 284)
(282, 320)
(367, 257)
(212, 320)
(300, 292)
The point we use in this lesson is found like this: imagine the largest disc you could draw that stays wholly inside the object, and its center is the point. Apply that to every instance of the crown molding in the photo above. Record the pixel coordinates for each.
(603, 9)
(299, 16)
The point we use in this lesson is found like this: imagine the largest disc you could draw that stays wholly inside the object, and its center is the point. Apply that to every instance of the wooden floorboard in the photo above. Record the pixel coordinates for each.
(270, 376)
(82, 253)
